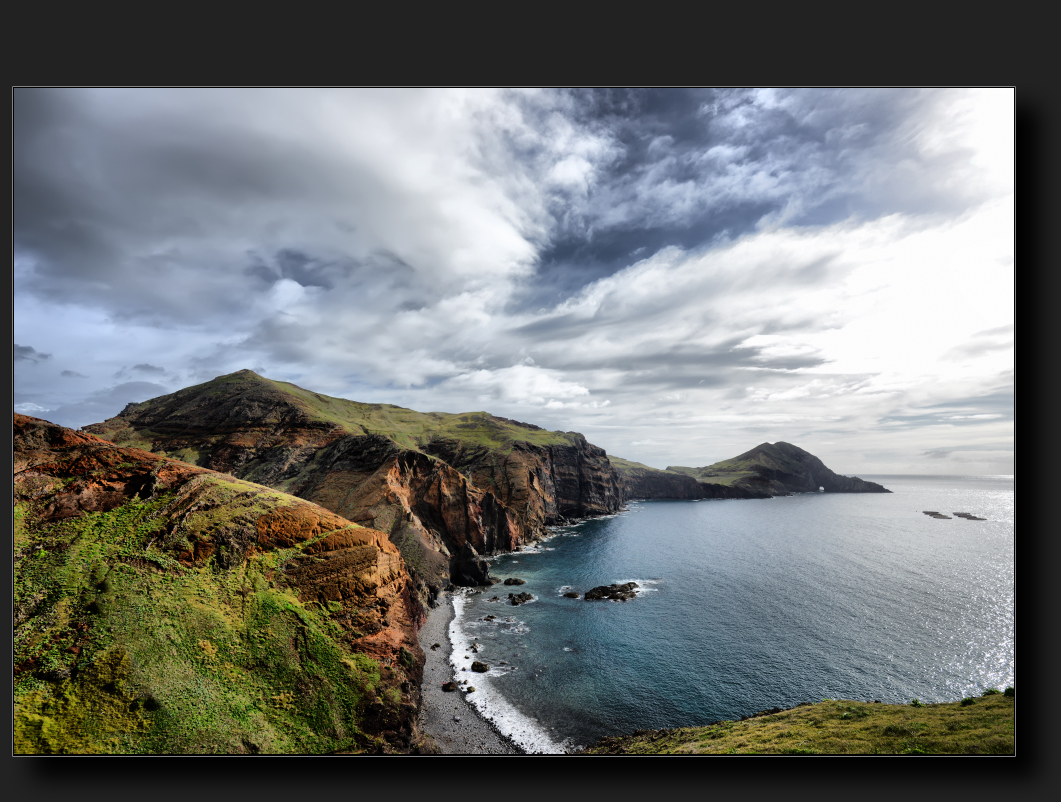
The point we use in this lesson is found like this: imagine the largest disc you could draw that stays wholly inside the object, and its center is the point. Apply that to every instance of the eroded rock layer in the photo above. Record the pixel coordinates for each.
(437, 484)
(164, 607)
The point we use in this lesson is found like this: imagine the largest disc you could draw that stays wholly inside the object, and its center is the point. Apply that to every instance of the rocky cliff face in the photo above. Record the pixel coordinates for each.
(163, 607)
(436, 484)
(545, 485)
(660, 484)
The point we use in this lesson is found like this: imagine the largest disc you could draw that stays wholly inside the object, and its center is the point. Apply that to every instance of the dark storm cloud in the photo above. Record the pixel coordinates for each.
(26, 353)
(693, 165)
(143, 368)
(683, 366)
(73, 374)
(145, 214)
(300, 267)
(104, 404)
(594, 253)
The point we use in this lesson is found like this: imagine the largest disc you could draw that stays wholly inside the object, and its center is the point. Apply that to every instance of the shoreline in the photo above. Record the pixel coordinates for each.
(472, 734)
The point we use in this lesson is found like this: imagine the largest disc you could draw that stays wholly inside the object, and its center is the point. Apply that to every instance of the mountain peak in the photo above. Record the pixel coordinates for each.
(790, 467)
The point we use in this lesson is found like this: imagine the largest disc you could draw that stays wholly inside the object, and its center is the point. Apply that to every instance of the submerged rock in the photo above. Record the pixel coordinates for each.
(571, 595)
(479, 667)
(514, 581)
(516, 599)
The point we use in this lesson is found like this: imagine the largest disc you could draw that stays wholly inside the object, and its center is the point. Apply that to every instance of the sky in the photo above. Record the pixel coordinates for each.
(679, 274)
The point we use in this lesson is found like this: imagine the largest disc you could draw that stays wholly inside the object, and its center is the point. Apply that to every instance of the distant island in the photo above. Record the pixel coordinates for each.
(243, 565)
(768, 470)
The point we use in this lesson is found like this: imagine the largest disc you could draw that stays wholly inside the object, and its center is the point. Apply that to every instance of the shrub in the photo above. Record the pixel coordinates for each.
(1008, 692)
(917, 703)
(991, 692)
(968, 700)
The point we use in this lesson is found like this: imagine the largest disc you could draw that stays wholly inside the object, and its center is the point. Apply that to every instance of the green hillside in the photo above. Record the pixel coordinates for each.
(982, 725)
(136, 653)
(721, 473)
(267, 401)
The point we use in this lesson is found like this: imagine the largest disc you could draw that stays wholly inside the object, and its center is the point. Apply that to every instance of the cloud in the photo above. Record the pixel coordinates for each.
(104, 404)
(521, 385)
(30, 408)
(73, 374)
(737, 265)
(992, 450)
(27, 353)
(981, 343)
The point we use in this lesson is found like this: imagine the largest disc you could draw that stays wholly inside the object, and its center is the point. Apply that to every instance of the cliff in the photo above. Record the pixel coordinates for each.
(446, 488)
(641, 481)
(763, 472)
(161, 607)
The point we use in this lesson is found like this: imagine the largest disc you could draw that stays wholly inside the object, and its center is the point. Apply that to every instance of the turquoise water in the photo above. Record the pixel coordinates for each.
(747, 605)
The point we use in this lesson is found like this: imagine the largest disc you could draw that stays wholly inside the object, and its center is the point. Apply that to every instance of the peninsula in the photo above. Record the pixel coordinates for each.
(244, 565)
(768, 470)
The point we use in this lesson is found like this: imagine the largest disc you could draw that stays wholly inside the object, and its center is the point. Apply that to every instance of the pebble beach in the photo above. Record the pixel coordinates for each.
(455, 726)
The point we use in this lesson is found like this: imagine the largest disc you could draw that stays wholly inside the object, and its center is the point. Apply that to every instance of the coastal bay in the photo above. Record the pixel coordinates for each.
(746, 605)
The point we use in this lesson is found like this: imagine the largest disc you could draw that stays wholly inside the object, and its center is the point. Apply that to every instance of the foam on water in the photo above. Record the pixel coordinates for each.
(527, 732)
(643, 585)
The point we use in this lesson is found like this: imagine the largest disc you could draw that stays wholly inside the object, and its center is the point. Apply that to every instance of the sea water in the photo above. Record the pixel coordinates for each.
(745, 605)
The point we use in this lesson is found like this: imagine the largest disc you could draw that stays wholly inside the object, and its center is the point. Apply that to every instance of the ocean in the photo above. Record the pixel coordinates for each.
(745, 605)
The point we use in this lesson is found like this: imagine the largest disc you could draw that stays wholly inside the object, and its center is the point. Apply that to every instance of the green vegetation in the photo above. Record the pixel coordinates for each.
(118, 648)
(841, 727)
(712, 474)
(406, 427)
(748, 464)
(411, 429)
(631, 468)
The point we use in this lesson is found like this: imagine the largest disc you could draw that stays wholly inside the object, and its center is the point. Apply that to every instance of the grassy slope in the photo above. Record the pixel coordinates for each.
(983, 727)
(728, 471)
(712, 474)
(408, 428)
(628, 467)
(171, 659)
(632, 469)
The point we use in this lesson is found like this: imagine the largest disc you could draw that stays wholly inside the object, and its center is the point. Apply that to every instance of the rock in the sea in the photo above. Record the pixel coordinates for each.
(449, 686)
(613, 592)
(470, 689)
(479, 667)
(516, 599)
(514, 581)
(571, 595)
(436, 646)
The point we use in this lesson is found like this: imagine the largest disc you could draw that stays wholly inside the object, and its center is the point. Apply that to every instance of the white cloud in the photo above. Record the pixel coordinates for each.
(413, 221)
